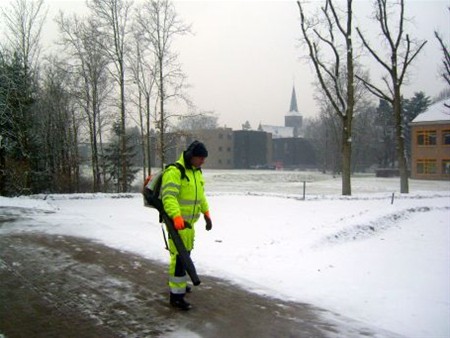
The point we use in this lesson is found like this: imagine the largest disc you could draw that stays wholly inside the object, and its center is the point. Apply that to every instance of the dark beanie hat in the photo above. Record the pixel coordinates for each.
(197, 148)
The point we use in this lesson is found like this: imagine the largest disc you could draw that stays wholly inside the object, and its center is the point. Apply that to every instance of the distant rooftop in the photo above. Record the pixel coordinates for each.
(277, 131)
(437, 112)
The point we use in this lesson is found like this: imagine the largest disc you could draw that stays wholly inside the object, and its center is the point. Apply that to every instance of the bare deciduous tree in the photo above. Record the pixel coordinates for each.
(445, 59)
(24, 20)
(160, 25)
(113, 17)
(206, 120)
(59, 126)
(336, 74)
(83, 44)
(142, 66)
(400, 53)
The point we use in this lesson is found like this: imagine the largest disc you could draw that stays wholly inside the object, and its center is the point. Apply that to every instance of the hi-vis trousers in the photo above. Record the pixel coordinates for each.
(177, 275)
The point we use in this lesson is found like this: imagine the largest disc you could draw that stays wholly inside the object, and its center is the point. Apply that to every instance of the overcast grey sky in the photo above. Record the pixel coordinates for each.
(244, 56)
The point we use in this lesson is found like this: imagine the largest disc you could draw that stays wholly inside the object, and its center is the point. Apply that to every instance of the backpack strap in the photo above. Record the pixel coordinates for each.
(180, 168)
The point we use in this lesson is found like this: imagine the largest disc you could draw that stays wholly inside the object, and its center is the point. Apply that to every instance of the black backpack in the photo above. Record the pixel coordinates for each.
(152, 187)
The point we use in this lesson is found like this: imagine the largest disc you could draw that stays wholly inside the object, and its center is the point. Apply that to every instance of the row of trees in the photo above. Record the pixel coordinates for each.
(343, 82)
(373, 135)
(114, 67)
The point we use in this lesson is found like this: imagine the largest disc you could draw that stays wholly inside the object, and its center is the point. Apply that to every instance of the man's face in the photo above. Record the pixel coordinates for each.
(197, 161)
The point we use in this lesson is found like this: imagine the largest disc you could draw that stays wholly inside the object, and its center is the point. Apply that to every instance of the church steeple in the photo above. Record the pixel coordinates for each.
(293, 107)
(293, 118)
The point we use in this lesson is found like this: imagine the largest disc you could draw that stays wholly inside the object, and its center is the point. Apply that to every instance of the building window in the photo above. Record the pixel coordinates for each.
(220, 148)
(446, 137)
(426, 167)
(220, 136)
(446, 167)
(426, 137)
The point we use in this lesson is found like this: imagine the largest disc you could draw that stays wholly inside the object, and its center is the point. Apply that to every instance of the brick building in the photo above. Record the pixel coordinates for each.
(430, 144)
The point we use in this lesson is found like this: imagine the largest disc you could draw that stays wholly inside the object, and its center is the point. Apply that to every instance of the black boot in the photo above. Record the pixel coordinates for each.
(177, 300)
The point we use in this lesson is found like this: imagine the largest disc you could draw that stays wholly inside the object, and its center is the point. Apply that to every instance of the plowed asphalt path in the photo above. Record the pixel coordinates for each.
(59, 286)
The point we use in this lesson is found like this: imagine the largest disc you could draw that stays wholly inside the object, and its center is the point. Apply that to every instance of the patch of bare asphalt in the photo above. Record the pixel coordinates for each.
(59, 286)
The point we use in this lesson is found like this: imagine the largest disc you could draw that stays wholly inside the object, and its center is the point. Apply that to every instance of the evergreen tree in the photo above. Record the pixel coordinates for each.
(57, 128)
(411, 108)
(113, 161)
(385, 125)
(19, 142)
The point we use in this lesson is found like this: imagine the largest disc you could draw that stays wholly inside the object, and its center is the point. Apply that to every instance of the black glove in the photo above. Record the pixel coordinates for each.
(208, 223)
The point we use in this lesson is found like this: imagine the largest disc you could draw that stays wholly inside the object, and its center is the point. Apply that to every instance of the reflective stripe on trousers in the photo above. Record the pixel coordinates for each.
(177, 275)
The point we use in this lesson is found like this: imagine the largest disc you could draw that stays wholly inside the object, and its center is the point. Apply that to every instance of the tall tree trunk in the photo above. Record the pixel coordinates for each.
(148, 138)
(400, 144)
(122, 130)
(142, 133)
(402, 51)
(346, 163)
(162, 115)
(347, 154)
(347, 119)
(2, 169)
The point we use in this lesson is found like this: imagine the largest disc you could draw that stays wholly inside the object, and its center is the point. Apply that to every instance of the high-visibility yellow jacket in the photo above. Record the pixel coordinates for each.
(184, 197)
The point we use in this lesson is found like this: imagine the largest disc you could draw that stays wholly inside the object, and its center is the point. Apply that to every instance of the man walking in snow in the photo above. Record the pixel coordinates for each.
(184, 201)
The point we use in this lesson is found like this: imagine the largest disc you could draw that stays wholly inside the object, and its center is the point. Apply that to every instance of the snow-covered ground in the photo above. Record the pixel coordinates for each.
(378, 256)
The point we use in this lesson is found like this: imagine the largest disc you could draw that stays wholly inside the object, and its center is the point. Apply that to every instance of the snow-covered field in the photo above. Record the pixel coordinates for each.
(378, 256)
